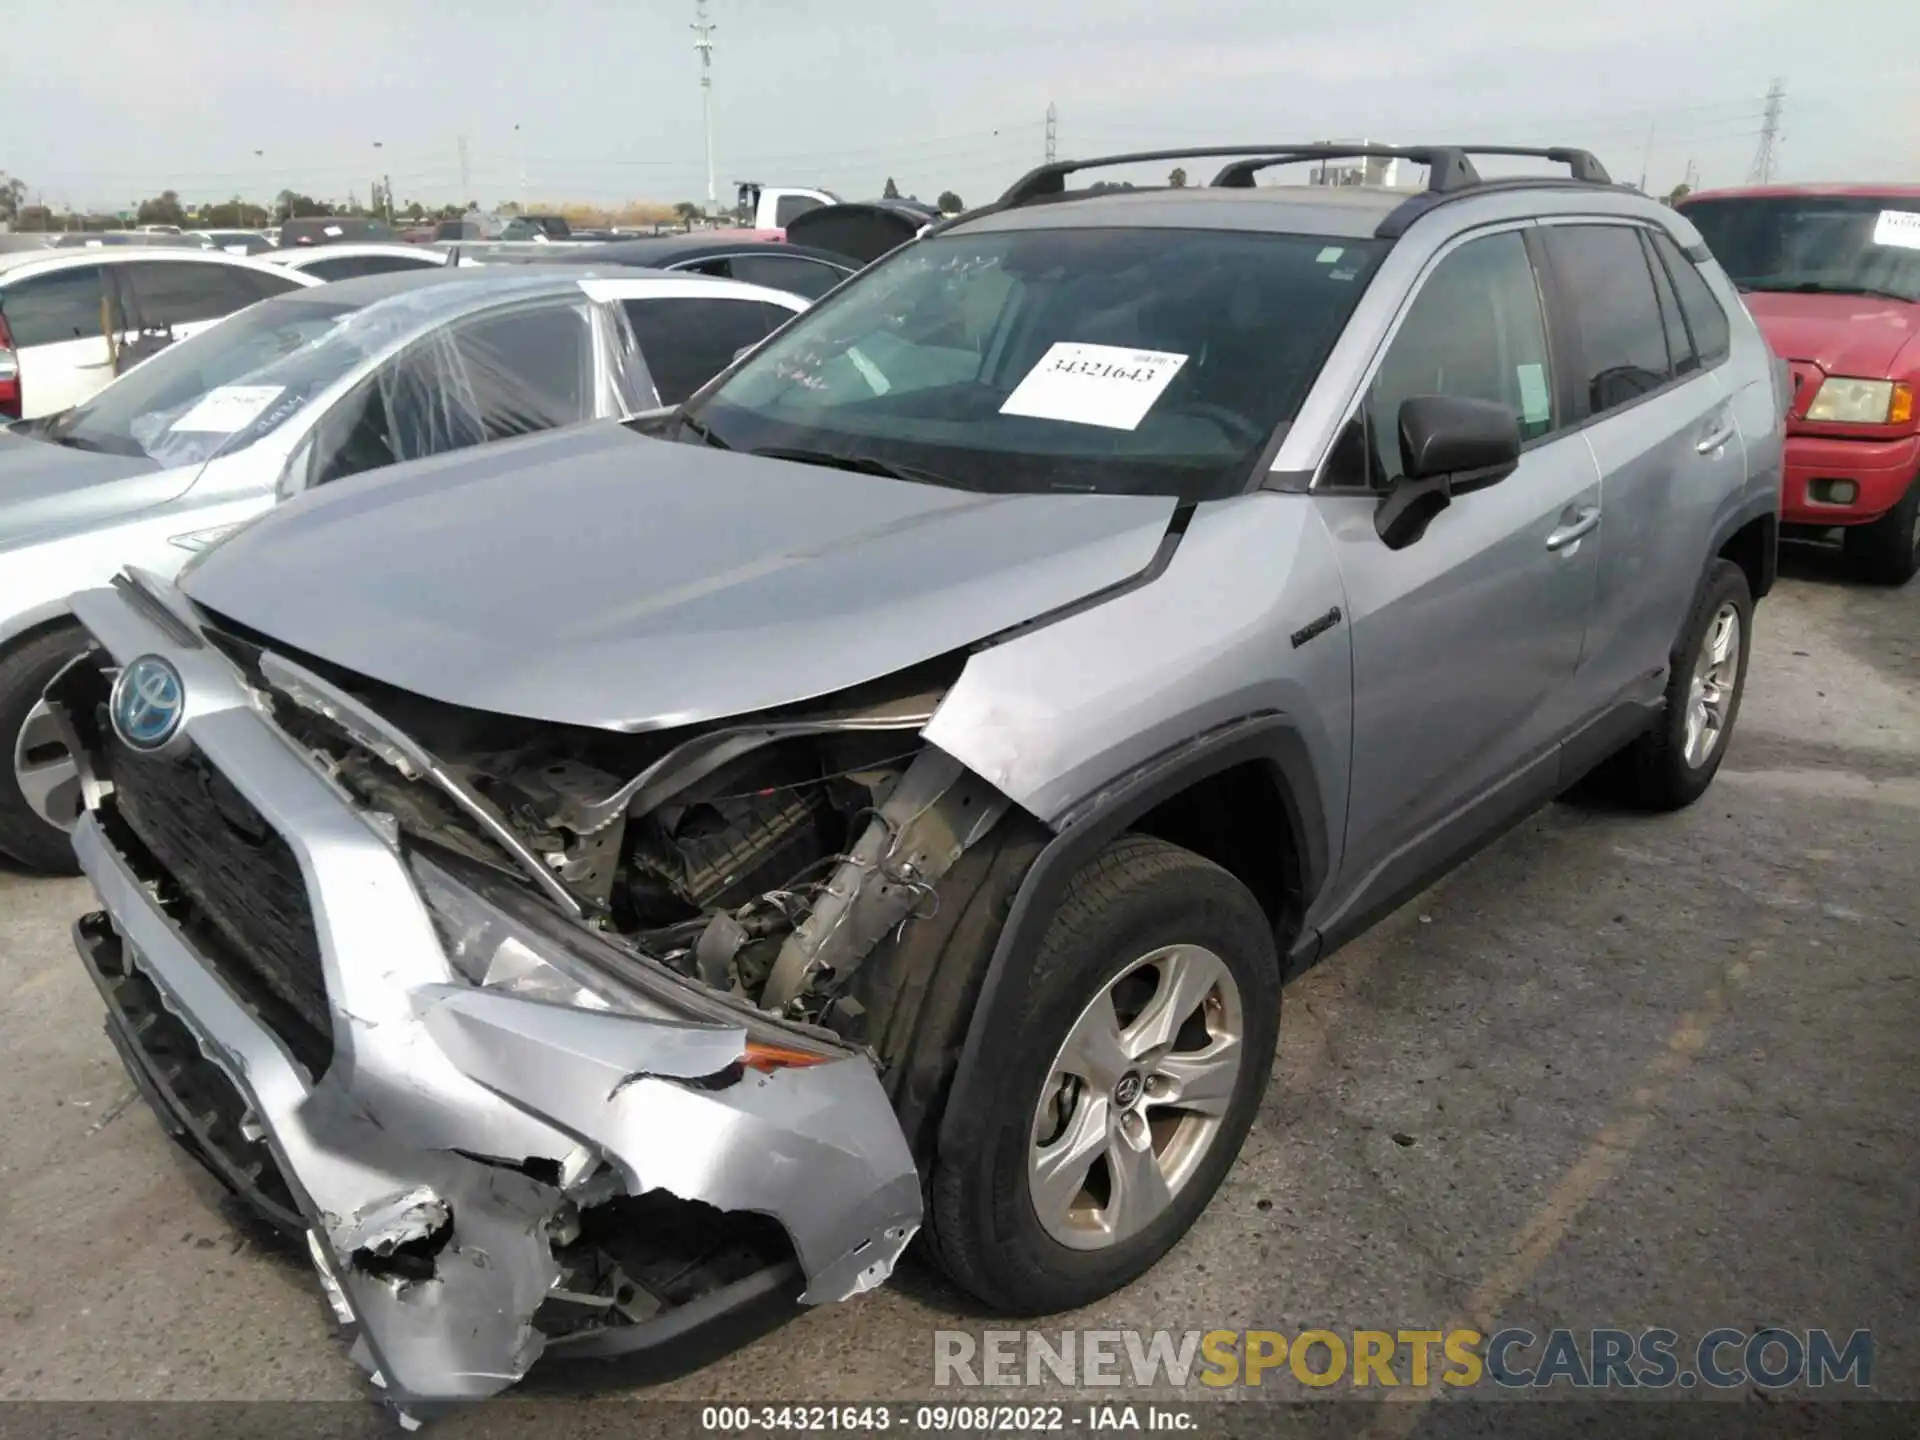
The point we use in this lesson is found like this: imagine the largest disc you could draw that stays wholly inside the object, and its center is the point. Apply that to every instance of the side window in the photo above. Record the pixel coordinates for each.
(47, 309)
(791, 207)
(355, 436)
(530, 369)
(160, 293)
(1679, 343)
(807, 278)
(1610, 289)
(260, 284)
(1712, 337)
(1476, 330)
(688, 341)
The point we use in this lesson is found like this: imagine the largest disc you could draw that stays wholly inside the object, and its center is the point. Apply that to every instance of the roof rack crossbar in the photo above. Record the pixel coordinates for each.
(1051, 179)
(1448, 167)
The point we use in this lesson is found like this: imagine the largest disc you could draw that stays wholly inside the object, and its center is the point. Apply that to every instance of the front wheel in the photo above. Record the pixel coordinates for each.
(1887, 552)
(40, 784)
(1133, 1072)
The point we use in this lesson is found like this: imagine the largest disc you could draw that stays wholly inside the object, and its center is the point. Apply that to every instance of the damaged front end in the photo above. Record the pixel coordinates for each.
(539, 1038)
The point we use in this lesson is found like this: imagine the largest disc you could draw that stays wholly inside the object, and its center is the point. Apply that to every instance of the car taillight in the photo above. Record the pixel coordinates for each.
(10, 399)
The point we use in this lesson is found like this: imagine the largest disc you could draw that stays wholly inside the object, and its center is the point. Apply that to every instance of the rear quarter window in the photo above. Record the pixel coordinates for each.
(1712, 336)
(61, 305)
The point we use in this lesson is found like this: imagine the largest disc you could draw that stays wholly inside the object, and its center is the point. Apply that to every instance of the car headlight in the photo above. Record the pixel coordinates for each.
(512, 945)
(1862, 402)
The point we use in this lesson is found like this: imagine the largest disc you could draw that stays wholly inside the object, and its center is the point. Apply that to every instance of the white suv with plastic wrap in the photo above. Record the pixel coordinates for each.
(302, 391)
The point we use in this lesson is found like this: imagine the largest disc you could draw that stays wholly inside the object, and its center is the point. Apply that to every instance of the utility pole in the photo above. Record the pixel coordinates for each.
(466, 181)
(703, 42)
(1765, 156)
(1053, 132)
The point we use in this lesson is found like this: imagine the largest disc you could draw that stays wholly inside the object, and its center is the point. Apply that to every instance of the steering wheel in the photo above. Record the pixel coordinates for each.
(1232, 422)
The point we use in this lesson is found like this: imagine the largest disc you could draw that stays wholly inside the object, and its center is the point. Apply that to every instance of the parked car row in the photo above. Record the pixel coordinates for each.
(636, 876)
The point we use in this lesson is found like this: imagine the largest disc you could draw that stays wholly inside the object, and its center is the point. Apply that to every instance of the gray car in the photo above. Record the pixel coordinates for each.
(649, 873)
(301, 391)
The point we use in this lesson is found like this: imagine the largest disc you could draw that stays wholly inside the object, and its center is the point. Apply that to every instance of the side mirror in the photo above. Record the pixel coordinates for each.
(1449, 446)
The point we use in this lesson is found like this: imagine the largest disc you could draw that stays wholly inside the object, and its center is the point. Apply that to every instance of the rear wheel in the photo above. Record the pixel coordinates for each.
(1887, 552)
(1671, 765)
(1132, 1076)
(40, 785)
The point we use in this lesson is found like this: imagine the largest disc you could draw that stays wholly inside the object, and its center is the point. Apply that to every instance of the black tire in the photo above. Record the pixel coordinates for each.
(1137, 895)
(25, 670)
(1887, 552)
(1652, 772)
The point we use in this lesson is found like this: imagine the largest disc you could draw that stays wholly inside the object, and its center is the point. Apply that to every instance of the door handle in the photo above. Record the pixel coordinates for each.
(1581, 524)
(1718, 437)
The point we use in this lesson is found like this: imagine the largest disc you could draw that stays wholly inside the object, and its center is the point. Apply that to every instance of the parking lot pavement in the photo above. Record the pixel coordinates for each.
(1618, 1070)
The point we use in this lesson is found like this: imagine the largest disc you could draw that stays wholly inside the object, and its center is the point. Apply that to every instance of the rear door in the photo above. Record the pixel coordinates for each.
(1662, 432)
(1465, 641)
(60, 337)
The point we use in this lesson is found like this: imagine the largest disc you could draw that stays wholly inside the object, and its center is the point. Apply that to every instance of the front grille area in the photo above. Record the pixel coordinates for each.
(240, 881)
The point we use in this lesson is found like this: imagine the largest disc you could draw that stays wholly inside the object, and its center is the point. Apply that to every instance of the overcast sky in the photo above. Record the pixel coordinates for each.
(107, 101)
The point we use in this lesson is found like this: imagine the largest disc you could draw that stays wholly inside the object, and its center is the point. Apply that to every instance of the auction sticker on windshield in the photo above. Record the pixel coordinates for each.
(226, 409)
(1106, 385)
(1898, 227)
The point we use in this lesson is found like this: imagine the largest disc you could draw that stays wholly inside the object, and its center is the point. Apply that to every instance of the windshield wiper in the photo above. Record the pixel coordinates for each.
(703, 433)
(859, 464)
(1828, 287)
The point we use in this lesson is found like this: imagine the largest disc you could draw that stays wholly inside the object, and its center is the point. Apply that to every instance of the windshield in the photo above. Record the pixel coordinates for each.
(229, 384)
(1844, 244)
(1136, 361)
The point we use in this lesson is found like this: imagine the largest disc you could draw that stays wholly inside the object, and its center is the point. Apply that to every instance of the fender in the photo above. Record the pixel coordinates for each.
(1087, 828)
(1755, 509)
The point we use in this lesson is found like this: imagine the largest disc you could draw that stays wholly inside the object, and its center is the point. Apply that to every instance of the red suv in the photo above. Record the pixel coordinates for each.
(1832, 275)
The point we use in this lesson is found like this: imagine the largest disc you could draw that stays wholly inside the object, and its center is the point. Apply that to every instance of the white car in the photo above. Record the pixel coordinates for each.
(349, 262)
(71, 319)
(299, 392)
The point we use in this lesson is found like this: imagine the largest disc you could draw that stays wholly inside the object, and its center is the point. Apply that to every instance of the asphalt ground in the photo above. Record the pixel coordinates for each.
(1617, 1071)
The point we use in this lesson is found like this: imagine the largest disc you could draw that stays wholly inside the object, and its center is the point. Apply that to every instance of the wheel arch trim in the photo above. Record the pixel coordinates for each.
(1082, 830)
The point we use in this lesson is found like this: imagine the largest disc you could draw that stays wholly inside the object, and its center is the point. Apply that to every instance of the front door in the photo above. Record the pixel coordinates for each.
(1464, 641)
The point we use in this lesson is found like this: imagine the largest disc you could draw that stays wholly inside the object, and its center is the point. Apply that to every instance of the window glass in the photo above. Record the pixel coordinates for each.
(160, 293)
(1679, 343)
(137, 414)
(688, 340)
(1813, 244)
(791, 207)
(1712, 337)
(809, 279)
(1610, 289)
(348, 267)
(1131, 360)
(47, 309)
(530, 369)
(357, 435)
(1476, 330)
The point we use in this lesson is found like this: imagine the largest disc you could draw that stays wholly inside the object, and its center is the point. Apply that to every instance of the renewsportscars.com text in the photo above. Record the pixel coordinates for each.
(1598, 1359)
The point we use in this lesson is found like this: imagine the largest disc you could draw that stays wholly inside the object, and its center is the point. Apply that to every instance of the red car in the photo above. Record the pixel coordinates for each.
(1832, 275)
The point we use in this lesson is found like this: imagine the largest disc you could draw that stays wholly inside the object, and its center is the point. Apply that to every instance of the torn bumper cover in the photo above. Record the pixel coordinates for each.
(453, 1154)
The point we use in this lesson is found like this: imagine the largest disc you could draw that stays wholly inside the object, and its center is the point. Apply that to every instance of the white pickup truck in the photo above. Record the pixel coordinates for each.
(774, 207)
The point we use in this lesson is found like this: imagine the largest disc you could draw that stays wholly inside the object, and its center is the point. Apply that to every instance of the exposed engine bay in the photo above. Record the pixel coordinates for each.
(762, 860)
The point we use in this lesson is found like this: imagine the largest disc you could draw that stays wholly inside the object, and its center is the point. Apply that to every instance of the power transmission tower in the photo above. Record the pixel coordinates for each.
(1764, 156)
(466, 172)
(1053, 132)
(703, 42)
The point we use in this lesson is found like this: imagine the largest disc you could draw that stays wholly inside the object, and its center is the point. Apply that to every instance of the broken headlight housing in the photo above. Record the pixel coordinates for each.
(490, 950)
(501, 940)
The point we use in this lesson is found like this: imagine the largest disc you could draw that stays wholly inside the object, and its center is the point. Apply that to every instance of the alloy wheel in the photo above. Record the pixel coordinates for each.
(1710, 694)
(1135, 1097)
(44, 770)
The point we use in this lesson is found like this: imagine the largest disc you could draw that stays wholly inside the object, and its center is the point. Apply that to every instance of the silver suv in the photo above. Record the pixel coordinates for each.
(644, 873)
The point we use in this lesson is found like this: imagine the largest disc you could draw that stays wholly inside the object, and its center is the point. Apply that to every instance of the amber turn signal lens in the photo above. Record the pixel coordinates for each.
(1900, 410)
(779, 1057)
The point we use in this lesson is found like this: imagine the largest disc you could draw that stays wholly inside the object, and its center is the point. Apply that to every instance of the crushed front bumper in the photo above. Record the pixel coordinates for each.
(443, 1154)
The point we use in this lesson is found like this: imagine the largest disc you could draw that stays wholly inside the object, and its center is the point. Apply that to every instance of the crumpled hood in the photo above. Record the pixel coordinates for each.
(593, 576)
(46, 489)
(1853, 335)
